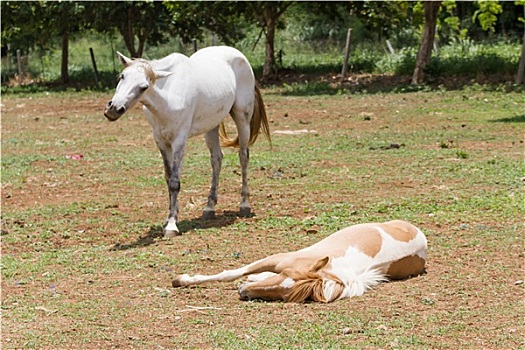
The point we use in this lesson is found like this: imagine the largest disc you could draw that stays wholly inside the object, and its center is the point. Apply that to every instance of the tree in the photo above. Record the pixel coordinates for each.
(20, 27)
(487, 14)
(267, 14)
(520, 76)
(32, 24)
(137, 21)
(63, 19)
(431, 9)
(189, 19)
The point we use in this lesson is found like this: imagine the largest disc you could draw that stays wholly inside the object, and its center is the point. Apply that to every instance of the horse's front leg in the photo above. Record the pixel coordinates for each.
(174, 169)
(213, 143)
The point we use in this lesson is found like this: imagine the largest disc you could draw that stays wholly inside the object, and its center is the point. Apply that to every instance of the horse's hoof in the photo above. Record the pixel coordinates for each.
(245, 212)
(208, 214)
(168, 234)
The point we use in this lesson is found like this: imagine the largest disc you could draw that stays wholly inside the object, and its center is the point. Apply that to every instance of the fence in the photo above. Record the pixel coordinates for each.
(459, 58)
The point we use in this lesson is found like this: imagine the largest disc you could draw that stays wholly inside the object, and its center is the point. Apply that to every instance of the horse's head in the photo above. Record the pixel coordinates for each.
(297, 284)
(137, 76)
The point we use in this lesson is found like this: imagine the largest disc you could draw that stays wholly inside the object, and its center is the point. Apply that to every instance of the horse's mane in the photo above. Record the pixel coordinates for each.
(145, 65)
(310, 286)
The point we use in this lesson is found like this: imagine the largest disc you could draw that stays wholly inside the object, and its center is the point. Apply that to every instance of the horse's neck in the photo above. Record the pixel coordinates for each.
(169, 63)
(156, 101)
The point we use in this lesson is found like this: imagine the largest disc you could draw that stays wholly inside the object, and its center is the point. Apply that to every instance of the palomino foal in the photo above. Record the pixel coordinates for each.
(343, 265)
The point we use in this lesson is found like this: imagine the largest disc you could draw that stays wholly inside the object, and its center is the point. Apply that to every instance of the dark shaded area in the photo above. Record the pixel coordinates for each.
(305, 82)
(294, 84)
(155, 232)
(514, 119)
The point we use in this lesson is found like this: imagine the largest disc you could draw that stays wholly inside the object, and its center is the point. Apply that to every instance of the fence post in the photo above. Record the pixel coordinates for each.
(194, 45)
(347, 50)
(390, 47)
(520, 76)
(94, 64)
(19, 65)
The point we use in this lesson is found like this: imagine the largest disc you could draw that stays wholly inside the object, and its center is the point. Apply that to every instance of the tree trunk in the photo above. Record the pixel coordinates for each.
(427, 41)
(269, 59)
(126, 30)
(520, 77)
(268, 13)
(64, 73)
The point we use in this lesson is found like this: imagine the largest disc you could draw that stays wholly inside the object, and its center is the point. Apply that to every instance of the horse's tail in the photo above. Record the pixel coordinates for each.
(259, 120)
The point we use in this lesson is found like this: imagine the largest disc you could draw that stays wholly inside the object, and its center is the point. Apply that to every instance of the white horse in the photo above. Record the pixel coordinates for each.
(343, 265)
(184, 97)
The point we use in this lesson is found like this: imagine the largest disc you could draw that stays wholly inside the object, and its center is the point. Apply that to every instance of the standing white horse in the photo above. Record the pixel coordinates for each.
(184, 97)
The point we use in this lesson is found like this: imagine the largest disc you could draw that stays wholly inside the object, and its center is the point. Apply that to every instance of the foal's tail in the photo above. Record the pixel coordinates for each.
(259, 120)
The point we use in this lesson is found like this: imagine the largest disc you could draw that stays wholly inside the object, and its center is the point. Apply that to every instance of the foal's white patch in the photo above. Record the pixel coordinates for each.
(328, 289)
(288, 283)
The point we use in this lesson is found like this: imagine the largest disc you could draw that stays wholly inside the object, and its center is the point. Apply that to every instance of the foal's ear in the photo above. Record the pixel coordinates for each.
(162, 74)
(319, 264)
(123, 59)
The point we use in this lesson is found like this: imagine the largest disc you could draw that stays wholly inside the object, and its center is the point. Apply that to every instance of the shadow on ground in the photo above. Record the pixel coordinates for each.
(155, 232)
(514, 119)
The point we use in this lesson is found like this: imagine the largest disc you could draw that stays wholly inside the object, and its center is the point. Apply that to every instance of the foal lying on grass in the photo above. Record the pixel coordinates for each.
(343, 265)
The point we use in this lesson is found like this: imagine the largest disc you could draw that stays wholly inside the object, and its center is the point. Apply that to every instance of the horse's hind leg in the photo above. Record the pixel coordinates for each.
(212, 141)
(242, 121)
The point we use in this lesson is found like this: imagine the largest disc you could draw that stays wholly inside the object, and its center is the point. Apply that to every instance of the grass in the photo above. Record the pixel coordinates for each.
(83, 265)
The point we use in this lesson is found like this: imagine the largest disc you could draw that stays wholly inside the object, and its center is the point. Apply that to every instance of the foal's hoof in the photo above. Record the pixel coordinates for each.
(242, 292)
(171, 233)
(245, 212)
(208, 214)
(177, 282)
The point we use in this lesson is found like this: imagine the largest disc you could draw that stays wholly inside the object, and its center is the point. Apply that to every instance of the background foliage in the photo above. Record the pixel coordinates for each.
(474, 38)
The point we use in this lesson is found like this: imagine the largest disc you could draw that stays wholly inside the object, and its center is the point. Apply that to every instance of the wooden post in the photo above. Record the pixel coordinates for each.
(113, 55)
(520, 76)
(194, 45)
(347, 51)
(19, 65)
(390, 47)
(94, 64)
(214, 39)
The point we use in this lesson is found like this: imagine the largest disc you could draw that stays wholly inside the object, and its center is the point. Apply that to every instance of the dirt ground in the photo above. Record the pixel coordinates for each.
(133, 306)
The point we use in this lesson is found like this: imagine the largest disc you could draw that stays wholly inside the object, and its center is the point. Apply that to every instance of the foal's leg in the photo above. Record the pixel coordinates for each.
(270, 264)
(213, 143)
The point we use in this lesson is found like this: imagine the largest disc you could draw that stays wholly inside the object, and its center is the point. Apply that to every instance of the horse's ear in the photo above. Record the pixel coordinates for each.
(123, 59)
(162, 74)
(319, 264)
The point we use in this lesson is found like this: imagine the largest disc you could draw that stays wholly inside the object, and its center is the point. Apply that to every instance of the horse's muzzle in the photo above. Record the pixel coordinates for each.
(112, 113)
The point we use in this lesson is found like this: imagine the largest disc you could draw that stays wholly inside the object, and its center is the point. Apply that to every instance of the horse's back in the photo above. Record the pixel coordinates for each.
(170, 63)
(225, 59)
(225, 54)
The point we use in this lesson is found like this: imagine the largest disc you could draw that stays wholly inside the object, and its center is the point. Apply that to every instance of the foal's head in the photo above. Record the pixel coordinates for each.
(296, 285)
(137, 76)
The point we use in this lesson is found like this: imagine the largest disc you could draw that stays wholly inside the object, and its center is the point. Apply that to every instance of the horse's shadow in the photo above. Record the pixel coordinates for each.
(156, 231)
